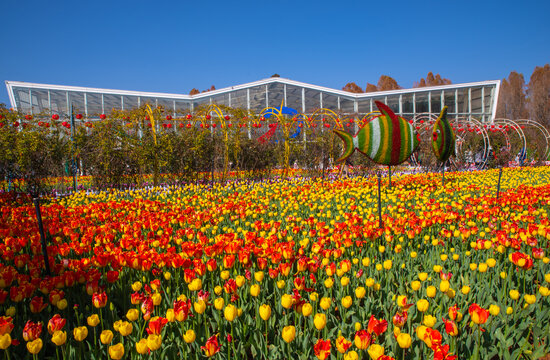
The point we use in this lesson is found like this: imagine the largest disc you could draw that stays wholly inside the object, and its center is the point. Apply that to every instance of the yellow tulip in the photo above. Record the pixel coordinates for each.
(530, 299)
(34, 346)
(199, 306)
(189, 336)
(157, 298)
(132, 314)
(494, 310)
(58, 337)
(444, 286)
(80, 333)
(514, 294)
(415, 285)
(307, 309)
(154, 342)
(360, 292)
(289, 333)
(287, 301)
(125, 328)
(116, 352)
(280, 284)
(351, 355)
(465, 290)
(431, 291)
(219, 303)
(404, 340)
(255, 290)
(329, 282)
(259, 276)
(387, 264)
(422, 276)
(325, 303)
(320, 321)
(347, 301)
(106, 337)
(429, 321)
(422, 305)
(5, 341)
(93, 320)
(141, 346)
(230, 312)
(265, 312)
(375, 351)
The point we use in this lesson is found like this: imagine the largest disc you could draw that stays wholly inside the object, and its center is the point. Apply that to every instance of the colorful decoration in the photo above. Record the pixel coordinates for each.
(443, 138)
(388, 139)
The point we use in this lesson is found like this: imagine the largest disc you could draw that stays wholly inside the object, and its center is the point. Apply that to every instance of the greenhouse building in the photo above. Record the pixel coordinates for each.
(477, 100)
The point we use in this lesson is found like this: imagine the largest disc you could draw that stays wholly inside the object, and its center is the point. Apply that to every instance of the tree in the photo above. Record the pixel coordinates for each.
(194, 91)
(387, 83)
(538, 90)
(211, 89)
(370, 88)
(275, 75)
(512, 98)
(353, 88)
(432, 80)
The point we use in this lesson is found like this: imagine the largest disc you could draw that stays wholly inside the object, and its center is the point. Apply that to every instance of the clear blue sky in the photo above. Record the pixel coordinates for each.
(175, 46)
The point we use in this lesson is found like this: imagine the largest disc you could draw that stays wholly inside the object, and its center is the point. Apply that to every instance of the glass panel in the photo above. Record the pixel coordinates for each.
(148, 100)
(201, 102)
(238, 99)
(476, 101)
(275, 94)
(167, 105)
(407, 106)
(450, 101)
(222, 99)
(346, 105)
(111, 102)
(330, 102)
(77, 100)
(59, 102)
(312, 100)
(364, 105)
(183, 106)
(436, 101)
(294, 98)
(393, 103)
(94, 104)
(130, 102)
(22, 99)
(462, 101)
(40, 100)
(422, 102)
(257, 98)
(380, 98)
(489, 93)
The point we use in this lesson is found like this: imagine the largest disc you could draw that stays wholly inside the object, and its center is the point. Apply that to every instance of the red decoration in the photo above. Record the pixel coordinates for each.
(55, 117)
(79, 116)
(227, 117)
(208, 117)
(28, 117)
(168, 117)
(103, 116)
(189, 116)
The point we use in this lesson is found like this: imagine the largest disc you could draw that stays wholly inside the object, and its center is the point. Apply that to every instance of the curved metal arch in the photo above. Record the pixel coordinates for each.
(541, 128)
(514, 126)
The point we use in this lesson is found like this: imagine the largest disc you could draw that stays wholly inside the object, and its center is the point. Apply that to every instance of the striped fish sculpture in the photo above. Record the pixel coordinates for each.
(388, 139)
(443, 138)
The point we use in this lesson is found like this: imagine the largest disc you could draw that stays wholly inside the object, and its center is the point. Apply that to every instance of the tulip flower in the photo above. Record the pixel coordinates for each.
(289, 333)
(116, 352)
(322, 349)
(34, 346)
(189, 336)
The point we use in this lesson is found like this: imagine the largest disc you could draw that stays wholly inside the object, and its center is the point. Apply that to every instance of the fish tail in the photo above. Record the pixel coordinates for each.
(349, 148)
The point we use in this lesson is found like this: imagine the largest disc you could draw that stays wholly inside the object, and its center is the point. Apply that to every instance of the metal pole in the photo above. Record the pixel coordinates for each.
(75, 184)
(443, 178)
(498, 185)
(379, 201)
(389, 173)
(36, 201)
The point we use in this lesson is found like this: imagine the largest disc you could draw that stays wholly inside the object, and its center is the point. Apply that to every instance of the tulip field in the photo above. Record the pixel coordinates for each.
(283, 269)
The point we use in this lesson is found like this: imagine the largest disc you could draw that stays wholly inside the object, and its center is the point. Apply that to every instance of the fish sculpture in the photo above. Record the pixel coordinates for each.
(443, 138)
(388, 139)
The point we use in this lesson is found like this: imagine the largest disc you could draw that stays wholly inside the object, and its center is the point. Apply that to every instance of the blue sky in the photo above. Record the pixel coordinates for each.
(176, 46)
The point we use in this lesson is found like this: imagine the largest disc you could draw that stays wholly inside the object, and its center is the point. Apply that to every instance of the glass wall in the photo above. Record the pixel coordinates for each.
(462, 100)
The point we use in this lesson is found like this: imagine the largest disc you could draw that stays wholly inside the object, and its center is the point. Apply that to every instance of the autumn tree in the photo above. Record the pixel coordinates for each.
(538, 91)
(512, 102)
(194, 91)
(386, 83)
(353, 88)
(212, 88)
(370, 88)
(275, 75)
(432, 80)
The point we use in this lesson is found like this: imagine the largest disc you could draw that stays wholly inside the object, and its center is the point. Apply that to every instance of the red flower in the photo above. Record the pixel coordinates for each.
(377, 326)
(99, 299)
(453, 312)
(168, 117)
(37, 304)
(182, 309)
(228, 261)
(6, 325)
(32, 331)
(79, 116)
(155, 326)
(55, 117)
(56, 323)
(450, 327)
(322, 349)
(112, 276)
(363, 339)
(230, 286)
(103, 116)
(400, 318)
(211, 347)
(478, 314)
